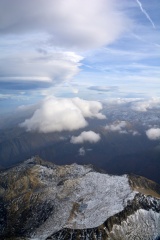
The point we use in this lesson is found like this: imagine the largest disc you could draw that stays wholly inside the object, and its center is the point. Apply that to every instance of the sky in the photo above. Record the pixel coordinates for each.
(83, 49)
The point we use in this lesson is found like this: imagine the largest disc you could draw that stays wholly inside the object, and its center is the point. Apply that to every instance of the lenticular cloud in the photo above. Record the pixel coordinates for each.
(56, 115)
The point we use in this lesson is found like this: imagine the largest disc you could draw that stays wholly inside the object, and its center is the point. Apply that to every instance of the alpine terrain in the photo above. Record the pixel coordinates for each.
(40, 200)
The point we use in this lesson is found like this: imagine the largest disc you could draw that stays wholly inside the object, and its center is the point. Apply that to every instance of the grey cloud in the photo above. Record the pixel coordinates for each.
(104, 88)
(42, 51)
(24, 84)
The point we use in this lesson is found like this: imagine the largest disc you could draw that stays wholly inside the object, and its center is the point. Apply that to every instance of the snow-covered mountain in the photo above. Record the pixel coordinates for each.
(40, 200)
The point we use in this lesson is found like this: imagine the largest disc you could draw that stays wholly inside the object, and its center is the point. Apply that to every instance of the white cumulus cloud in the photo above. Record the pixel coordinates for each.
(58, 114)
(122, 127)
(89, 136)
(117, 126)
(89, 110)
(143, 106)
(153, 133)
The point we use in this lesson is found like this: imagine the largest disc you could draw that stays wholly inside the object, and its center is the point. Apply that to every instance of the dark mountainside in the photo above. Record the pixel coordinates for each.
(41, 200)
(116, 153)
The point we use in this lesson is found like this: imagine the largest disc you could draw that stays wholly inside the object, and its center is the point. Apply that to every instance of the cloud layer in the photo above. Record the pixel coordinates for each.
(153, 133)
(69, 23)
(47, 36)
(38, 69)
(89, 136)
(56, 115)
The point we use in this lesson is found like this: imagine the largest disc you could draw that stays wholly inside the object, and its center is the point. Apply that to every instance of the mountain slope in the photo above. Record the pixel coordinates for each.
(40, 200)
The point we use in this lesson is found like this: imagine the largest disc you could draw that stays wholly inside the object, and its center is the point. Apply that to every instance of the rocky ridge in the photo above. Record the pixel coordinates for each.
(40, 200)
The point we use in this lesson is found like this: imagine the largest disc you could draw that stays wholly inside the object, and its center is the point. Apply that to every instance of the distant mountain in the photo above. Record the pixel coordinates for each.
(40, 200)
(16, 144)
(116, 153)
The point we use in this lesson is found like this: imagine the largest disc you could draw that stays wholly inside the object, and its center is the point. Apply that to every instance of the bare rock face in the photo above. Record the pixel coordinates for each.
(40, 200)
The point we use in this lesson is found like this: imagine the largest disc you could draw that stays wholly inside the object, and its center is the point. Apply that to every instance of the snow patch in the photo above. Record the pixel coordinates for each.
(141, 225)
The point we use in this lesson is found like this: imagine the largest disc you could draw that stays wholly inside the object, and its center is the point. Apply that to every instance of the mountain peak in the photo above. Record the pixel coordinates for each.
(40, 200)
(36, 160)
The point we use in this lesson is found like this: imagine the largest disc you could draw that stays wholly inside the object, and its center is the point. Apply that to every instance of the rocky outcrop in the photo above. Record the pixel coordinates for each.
(40, 200)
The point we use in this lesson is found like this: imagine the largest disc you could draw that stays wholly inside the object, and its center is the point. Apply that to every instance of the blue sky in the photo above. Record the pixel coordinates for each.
(93, 50)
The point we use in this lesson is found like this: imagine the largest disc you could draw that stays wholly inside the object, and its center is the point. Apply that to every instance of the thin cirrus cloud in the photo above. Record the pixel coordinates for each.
(153, 133)
(88, 136)
(60, 114)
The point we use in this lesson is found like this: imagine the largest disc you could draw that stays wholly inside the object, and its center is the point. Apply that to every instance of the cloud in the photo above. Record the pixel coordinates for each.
(121, 101)
(145, 13)
(36, 71)
(82, 151)
(117, 126)
(59, 114)
(75, 90)
(103, 88)
(153, 133)
(42, 39)
(70, 23)
(122, 127)
(89, 136)
(89, 109)
(143, 106)
(135, 133)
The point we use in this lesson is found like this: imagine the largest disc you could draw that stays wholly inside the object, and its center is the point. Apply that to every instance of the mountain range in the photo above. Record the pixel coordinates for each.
(40, 200)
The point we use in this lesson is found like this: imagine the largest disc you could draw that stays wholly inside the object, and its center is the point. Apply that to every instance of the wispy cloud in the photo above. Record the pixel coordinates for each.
(145, 13)
(82, 151)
